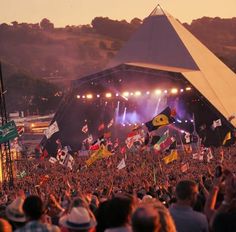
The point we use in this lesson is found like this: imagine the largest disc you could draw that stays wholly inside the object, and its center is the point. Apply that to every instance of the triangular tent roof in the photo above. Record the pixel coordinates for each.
(163, 40)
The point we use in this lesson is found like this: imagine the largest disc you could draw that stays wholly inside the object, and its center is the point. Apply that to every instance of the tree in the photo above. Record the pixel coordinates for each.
(46, 25)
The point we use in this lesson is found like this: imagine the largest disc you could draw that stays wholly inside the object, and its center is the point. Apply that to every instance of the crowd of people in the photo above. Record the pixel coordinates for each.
(145, 195)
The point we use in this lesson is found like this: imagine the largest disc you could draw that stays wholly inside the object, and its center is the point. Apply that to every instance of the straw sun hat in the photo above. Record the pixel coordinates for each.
(14, 211)
(77, 219)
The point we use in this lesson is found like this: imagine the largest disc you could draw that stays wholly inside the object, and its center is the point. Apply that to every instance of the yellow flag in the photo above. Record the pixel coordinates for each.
(227, 137)
(173, 156)
(102, 152)
(105, 152)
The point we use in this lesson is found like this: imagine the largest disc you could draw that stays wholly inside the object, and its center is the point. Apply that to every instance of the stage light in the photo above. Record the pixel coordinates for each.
(174, 91)
(147, 92)
(142, 124)
(188, 88)
(181, 90)
(158, 92)
(178, 120)
(89, 96)
(123, 124)
(191, 120)
(137, 93)
(131, 94)
(108, 95)
(98, 95)
(165, 91)
(32, 125)
(83, 96)
(117, 94)
(78, 96)
(182, 131)
(130, 124)
(186, 120)
(126, 94)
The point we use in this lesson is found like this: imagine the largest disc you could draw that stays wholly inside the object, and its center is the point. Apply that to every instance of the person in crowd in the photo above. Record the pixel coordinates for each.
(33, 209)
(5, 226)
(15, 213)
(185, 218)
(152, 217)
(78, 219)
(120, 209)
(223, 217)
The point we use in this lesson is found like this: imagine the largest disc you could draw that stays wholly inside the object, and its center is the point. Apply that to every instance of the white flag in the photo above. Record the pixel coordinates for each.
(110, 123)
(85, 128)
(209, 155)
(121, 164)
(198, 156)
(52, 160)
(52, 129)
(216, 123)
(70, 161)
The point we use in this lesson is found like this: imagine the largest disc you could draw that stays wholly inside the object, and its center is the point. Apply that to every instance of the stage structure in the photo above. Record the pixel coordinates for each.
(162, 65)
(5, 151)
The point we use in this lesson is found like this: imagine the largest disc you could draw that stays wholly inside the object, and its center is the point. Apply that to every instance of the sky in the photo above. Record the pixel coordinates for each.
(80, 12)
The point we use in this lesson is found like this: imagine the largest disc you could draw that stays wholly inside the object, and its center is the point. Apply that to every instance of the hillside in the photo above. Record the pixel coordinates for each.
(36, 54)
(62, 54)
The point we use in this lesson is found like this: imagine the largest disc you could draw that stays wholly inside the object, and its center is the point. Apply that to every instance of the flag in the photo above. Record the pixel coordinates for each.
(88, 140)
(133, 137)
(110, 123)
(164, 142)
(102, 152)
(216, 123)
(170, 158)
(162, 119)
(187, 138)
(198, 156)
(52, 160)
(97, 143)
(52, 129)
(184, 167)
(83, 153)
(69, 161)
(209, 154)
(227, 137)
(22, 174)
(61, 155)
(121, 165)
(8, 132)
(105, 152)
(20, 130)
(85, 128)
(101, 127)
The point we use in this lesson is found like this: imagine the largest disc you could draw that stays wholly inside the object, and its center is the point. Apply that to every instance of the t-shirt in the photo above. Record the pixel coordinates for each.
(188, 220)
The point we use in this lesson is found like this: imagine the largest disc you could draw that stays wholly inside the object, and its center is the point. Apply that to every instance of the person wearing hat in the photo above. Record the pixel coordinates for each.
(78, 219)
(15, 213)
(34, 212)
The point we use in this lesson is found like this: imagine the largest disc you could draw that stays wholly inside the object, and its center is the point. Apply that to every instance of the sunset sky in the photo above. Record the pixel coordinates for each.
(78, 12)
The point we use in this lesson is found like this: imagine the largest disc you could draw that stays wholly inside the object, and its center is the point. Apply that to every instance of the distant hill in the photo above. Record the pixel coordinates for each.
(58, 55)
